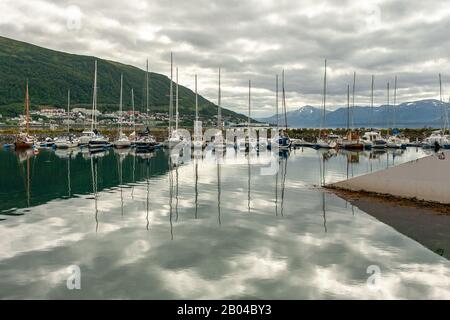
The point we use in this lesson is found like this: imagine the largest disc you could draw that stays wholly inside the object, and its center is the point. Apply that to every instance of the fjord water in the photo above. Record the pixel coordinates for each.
(138, 228)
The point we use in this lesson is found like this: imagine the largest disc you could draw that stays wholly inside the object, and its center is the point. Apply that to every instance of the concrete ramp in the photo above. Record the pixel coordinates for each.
(426, 179)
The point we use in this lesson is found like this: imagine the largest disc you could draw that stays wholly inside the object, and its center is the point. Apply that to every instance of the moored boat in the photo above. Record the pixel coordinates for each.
(24, 140)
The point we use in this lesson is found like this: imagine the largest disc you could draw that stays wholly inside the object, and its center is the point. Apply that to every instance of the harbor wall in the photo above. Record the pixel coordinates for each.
(426, 179)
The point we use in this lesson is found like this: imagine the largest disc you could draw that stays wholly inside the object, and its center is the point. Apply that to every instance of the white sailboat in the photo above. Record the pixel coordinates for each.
(243, 143)
(97, 141)
(439, 138)
(352, 140)
(174, 137)
(394, 141)
(145, 141)
(219, 141)
(373, 139)
(198, 143)
(122, 140)
(322, 142)
(69, 141)
(284, 142)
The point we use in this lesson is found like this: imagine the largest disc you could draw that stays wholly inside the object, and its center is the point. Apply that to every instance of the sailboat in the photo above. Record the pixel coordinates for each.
(24, 140)
(438, 138)
(284, 142)
(373, 139)
(97, 141)
(243, 143)
(87, 135)
(351, 141)
(394, 141)
(68, 141)
(122, 141)
(174, 137)
(219, 142)
(198, 143)
(323, 143)
(145, 141)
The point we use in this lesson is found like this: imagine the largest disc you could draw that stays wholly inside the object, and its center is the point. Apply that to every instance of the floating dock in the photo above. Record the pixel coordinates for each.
(424, 179)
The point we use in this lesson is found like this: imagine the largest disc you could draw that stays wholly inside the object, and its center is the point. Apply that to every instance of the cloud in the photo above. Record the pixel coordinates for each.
(254, 40)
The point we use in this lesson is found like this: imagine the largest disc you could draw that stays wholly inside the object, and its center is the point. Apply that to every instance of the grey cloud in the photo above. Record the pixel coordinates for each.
(256, 39)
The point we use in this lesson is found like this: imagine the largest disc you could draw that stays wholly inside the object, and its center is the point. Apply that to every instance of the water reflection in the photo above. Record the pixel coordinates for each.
(201, 233)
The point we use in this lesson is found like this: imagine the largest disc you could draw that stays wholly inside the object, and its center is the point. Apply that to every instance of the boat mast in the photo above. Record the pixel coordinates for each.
(68, 111)
(27, 109)
(440, 99)
(353, 101)
(348, 109)
(176, 102)
(284, 103)
(395, 102)
(120, 105)
(146, 90)
(387, 108)
(276, 103)
(134, 115)
(322, 122)
(94, 101)
(371, 103)
(219, 110)
(171, 95)
(196, 99)
(249, 107)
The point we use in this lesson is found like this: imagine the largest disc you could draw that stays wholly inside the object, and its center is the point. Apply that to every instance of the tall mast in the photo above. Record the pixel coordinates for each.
(276, 102)
(147, 97)
(348, 107)
(120, 105)
(68, 111)
(134, 115)
(395, 102)
(94, 101)
(387, 108)
(284, 101)
(322, 122)
(171, 95)
(27, 109)
(440, 99)
(219, 109)
(353, 100)
(249, 106)
(176, 102)
(196, 99)
(371, 102)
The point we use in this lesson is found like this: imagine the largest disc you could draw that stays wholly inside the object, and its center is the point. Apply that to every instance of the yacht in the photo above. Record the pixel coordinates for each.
(396, 142)
(122, 141)
(322, 141)
(69, 141)
(374, 140)
(97, 141)
(174, 136)
(24, 140)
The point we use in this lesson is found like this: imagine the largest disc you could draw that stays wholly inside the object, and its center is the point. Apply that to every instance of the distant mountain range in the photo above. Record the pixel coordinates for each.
(51, 73)
(417, 114)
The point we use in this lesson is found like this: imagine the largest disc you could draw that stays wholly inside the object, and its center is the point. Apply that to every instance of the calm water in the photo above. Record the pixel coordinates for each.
(201, 230)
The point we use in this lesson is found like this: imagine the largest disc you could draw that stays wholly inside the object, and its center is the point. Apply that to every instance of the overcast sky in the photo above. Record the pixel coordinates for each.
(255, 40)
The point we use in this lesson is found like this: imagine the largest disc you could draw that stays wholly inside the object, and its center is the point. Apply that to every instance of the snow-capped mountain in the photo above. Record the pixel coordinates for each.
(417, 114)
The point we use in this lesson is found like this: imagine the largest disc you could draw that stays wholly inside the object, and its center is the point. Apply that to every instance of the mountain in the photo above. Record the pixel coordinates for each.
(417, 114)
(50, 73)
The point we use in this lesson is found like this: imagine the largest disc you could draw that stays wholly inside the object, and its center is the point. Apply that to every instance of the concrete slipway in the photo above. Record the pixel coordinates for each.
(426, 179)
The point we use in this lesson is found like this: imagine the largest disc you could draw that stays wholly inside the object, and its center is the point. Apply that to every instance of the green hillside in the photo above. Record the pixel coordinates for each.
(50, 73)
